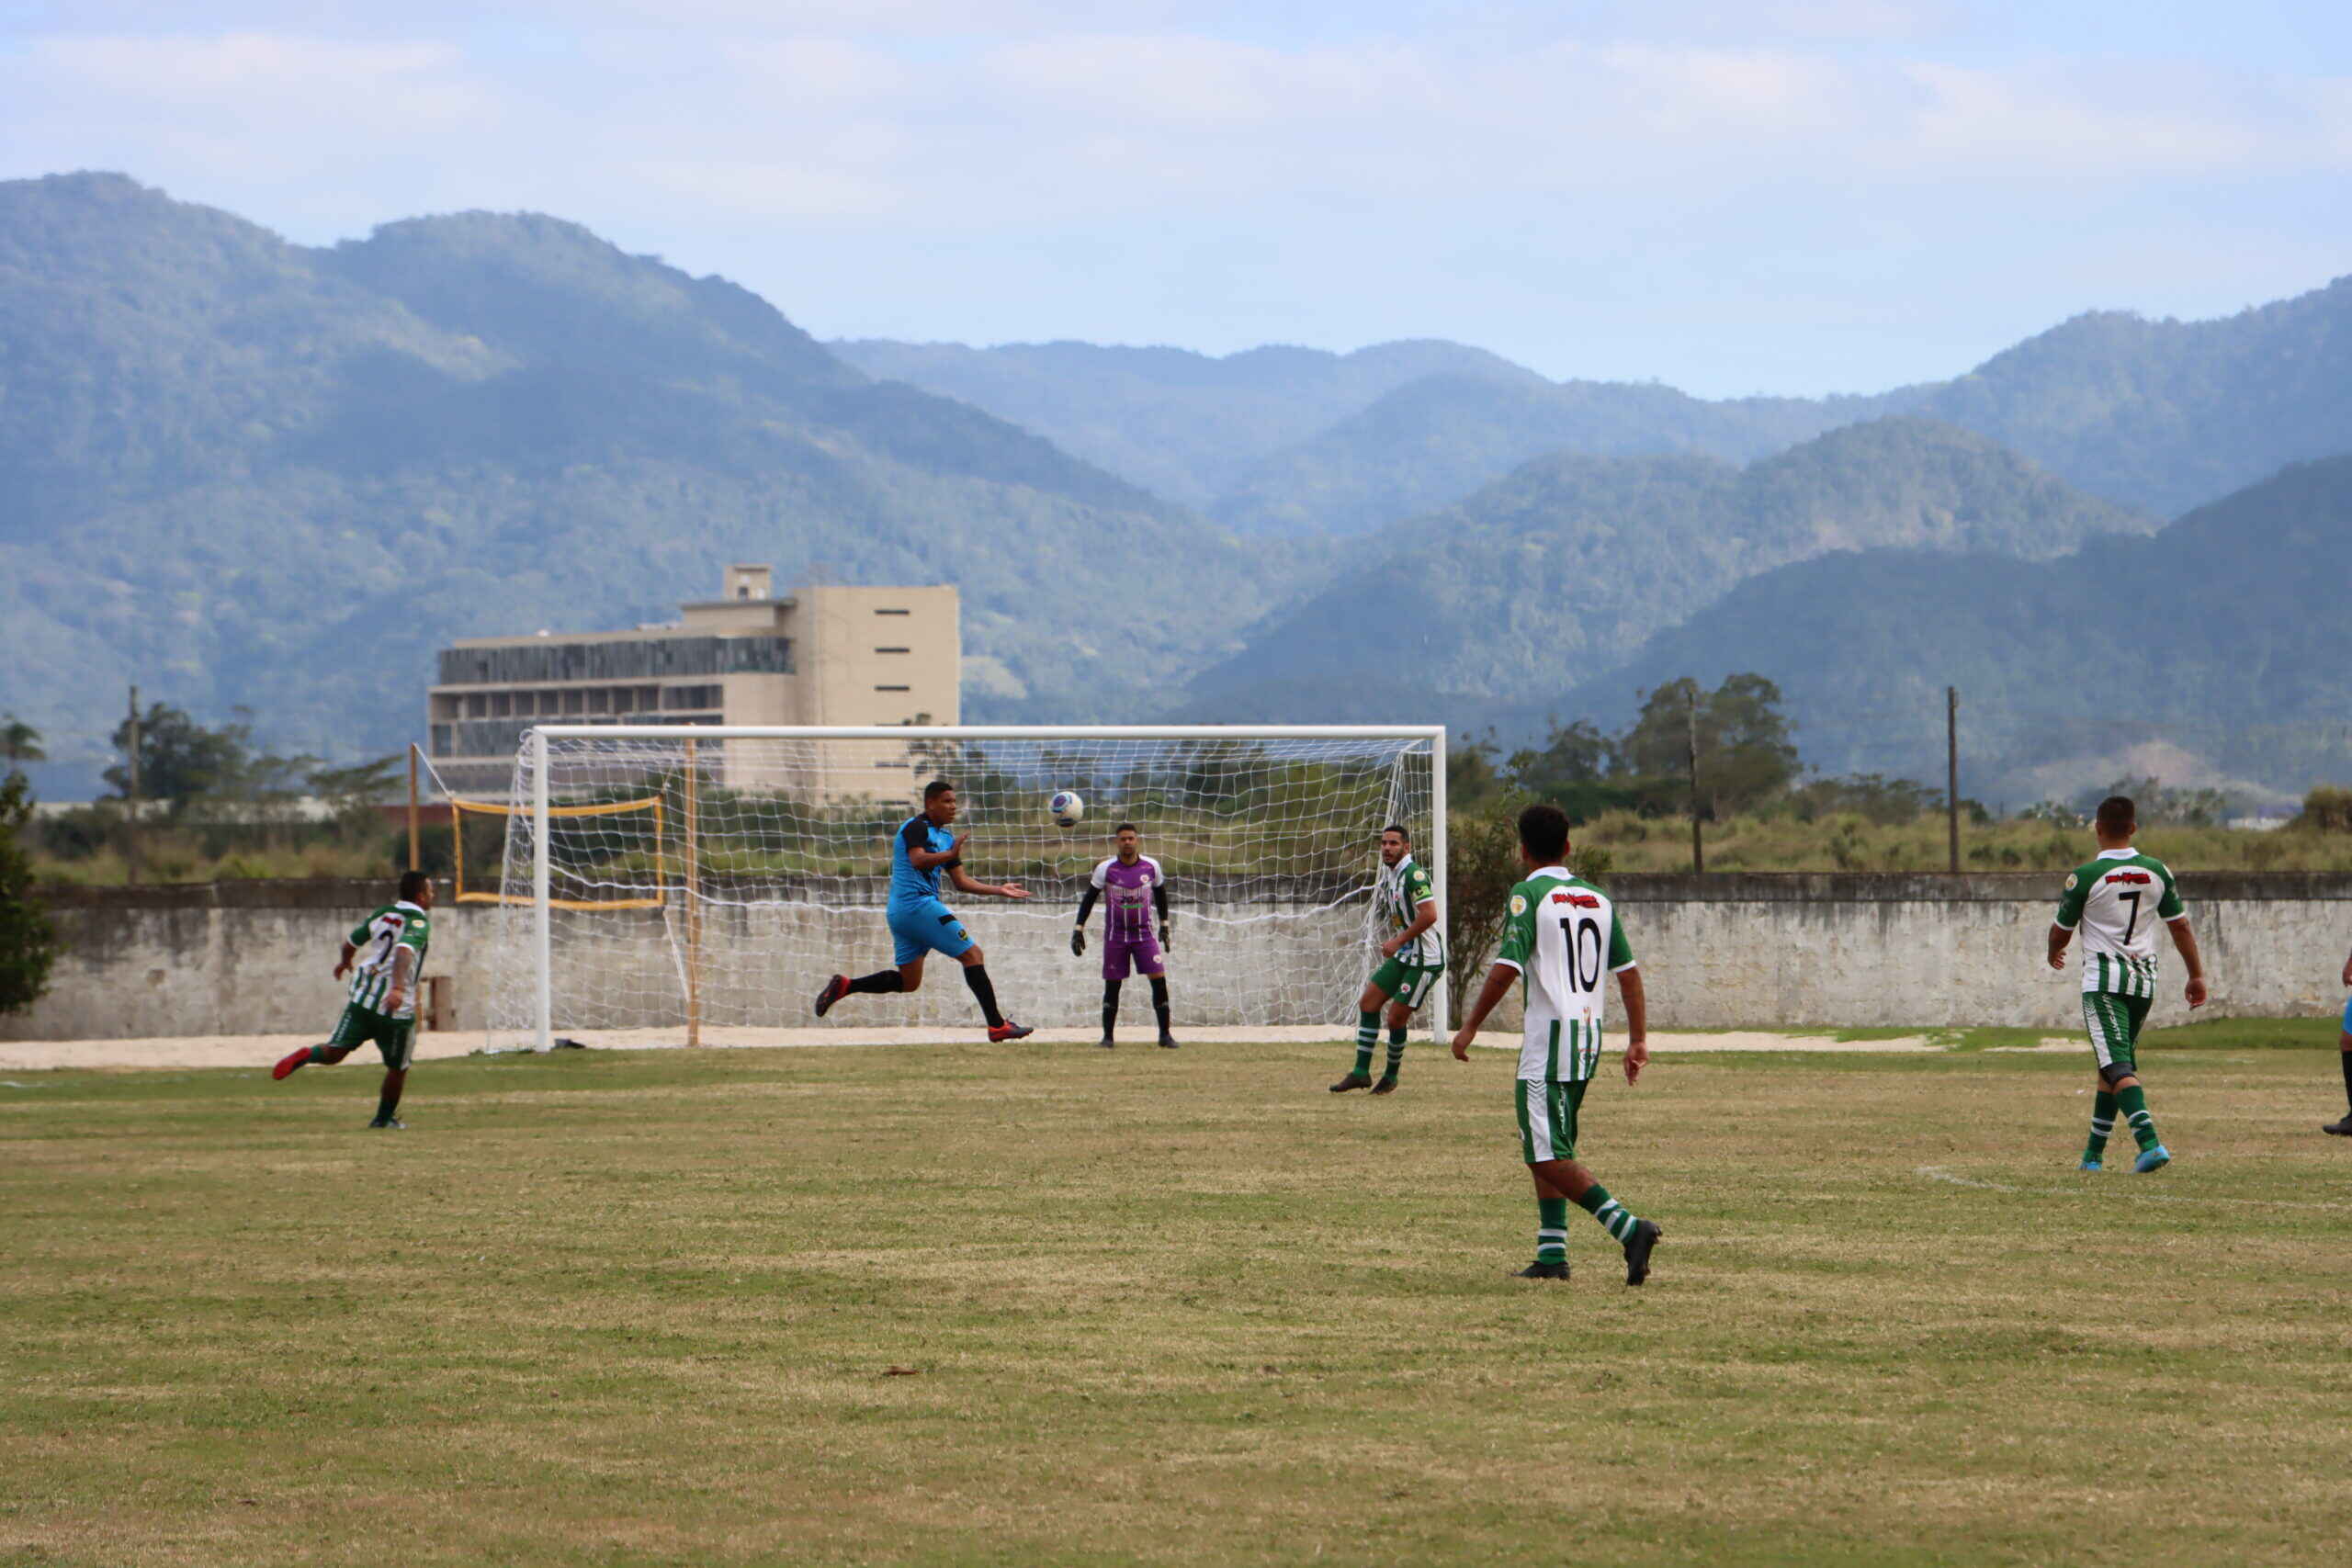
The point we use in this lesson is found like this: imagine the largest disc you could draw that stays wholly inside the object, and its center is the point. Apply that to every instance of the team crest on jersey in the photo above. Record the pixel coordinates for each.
(1519, 903)
(2071, 880)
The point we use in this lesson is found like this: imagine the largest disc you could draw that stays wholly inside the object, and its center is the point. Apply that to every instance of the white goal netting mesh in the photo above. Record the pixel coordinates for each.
(703, 883)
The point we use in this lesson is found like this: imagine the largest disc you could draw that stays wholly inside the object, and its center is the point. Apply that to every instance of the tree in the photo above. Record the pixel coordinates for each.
(20, 741)
(181, 761)
(27, 938)
(1744, 753)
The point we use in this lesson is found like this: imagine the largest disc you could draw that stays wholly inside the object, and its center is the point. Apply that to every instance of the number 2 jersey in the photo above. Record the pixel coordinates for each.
(2120, 902)
(377, 938)
(1562, 936)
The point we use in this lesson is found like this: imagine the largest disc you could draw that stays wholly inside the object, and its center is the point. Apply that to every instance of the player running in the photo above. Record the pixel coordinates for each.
(1559, 935)
(2343, 1053)
(1133, 888)
(1405, 901)
(920, 924)
(2119, 897)
(384, 955)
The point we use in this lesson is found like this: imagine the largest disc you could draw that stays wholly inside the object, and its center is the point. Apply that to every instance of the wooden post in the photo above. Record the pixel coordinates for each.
(1951, 772)
(692, 881)
(131, 837)
(411, 805)
(1698, 845)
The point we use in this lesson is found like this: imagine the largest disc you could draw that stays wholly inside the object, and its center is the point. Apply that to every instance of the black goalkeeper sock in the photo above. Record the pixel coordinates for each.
(881, 980)
(1110, 1006)
(977, 977)
(2347, 1078)
(1159, 1000)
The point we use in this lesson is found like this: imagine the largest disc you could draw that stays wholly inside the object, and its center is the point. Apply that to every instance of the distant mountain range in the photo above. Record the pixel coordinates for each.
(2218, 643)
(1560, 570)
(243, 472)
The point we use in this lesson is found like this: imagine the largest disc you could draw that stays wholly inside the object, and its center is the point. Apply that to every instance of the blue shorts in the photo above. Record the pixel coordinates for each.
(927, 927)
(2347, 1015)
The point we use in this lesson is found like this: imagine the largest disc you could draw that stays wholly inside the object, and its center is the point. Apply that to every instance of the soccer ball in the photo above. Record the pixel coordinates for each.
(1066, 808)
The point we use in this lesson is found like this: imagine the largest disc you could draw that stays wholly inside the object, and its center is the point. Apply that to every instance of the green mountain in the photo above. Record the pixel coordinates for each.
(1436, 439)
(2164, 415)
(239, 471)
(1182, 425)
(1562, 570)
(2215, 649)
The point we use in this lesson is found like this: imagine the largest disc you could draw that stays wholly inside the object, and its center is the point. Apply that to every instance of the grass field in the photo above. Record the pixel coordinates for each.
(1017, 1306)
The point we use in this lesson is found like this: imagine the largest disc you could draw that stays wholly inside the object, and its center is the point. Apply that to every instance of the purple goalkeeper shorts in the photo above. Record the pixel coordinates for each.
(1143, 952)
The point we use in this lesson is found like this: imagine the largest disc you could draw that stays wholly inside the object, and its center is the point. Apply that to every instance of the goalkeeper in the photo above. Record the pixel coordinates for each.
(1133, 890)
(920, 924)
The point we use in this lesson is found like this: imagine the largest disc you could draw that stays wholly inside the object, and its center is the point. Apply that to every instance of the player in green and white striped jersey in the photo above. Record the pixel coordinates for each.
(1404, 905)
(384, 955)
(1561, 940)
(2118, 899)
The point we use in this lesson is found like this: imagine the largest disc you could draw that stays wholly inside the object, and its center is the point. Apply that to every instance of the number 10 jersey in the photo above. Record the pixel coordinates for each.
(1562, 936)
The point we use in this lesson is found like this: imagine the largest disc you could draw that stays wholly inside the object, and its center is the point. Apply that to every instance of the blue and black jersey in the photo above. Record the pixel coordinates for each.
(909, 886)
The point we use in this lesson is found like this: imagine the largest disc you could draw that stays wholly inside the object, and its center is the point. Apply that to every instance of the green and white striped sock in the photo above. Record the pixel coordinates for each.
(1367, 1036)
(1614, 1217)
(1550, 1230)
(1396, 1051)
(2102, 1125)
(2134, 1104)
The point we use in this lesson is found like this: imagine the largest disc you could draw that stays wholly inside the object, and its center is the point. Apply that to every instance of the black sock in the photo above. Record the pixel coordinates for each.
(1159, 1000)
(2347, 1080)
(1110, 1006)
(881, 980)
(385, 1105)
(977, 977)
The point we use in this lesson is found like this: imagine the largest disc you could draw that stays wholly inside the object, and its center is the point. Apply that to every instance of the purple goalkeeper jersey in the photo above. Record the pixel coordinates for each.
(1127, 898)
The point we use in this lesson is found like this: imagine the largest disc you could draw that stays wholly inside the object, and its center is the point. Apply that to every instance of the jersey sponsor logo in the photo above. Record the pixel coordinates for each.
(2140, 876)
(1577, 900)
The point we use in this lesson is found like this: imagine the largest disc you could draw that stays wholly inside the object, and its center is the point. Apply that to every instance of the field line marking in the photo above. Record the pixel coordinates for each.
(1942, 1173)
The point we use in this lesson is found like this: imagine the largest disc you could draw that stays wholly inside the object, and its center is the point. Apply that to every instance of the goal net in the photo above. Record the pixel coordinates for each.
(688, 885)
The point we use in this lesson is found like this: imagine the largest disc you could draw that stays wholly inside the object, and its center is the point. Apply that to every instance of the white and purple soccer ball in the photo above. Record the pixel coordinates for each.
(1065, 808)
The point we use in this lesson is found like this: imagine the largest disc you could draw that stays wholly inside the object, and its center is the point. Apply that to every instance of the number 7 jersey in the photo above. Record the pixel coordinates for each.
(2119, 901)
(1562, 936)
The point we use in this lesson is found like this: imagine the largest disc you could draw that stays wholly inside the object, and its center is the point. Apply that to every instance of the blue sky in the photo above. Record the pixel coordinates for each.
(1731, 197)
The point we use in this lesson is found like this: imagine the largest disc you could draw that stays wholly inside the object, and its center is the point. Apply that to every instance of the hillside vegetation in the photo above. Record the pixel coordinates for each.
(240, 473)
(1559, 571)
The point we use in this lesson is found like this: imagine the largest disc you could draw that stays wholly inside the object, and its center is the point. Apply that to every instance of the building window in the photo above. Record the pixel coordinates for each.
(576, 701)
(894, 651)
(501, 704)
(477, 706)
(599, 699)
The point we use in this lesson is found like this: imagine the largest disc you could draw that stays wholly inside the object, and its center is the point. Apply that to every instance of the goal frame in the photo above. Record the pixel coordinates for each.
(1437, 1008)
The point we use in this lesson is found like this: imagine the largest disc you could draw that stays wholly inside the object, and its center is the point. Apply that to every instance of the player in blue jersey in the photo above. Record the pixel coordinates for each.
(920, 923)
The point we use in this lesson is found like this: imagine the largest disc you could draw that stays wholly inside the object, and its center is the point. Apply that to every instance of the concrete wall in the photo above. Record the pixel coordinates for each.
(1717, 951)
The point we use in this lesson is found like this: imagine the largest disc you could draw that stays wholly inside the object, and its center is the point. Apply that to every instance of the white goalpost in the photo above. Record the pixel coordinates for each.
(690, 885)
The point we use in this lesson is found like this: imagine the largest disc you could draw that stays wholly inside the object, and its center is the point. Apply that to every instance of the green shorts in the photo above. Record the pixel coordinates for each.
(1407, 982)
(1547, 1117)
(394, 1037)
(2114, 1023)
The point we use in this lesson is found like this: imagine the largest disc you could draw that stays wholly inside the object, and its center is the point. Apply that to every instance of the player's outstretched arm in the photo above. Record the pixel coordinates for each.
(2185, 940)
(2059, 937)
(965, 883)
(404, 971)
(1637, 1022)
(350, 952)
(1085, 908)
(1499, 980)
(2347, 970)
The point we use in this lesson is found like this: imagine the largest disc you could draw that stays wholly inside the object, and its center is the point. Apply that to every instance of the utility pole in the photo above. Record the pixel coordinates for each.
(411, 805)
(1697, 846)
(1951, 772)
(131, 838)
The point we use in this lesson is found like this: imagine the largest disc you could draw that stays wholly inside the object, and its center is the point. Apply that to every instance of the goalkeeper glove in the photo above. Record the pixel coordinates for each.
(1077, 943)
(1167, 926)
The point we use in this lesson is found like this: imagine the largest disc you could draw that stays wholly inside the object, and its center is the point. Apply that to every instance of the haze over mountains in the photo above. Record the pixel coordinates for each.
(241, 471)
